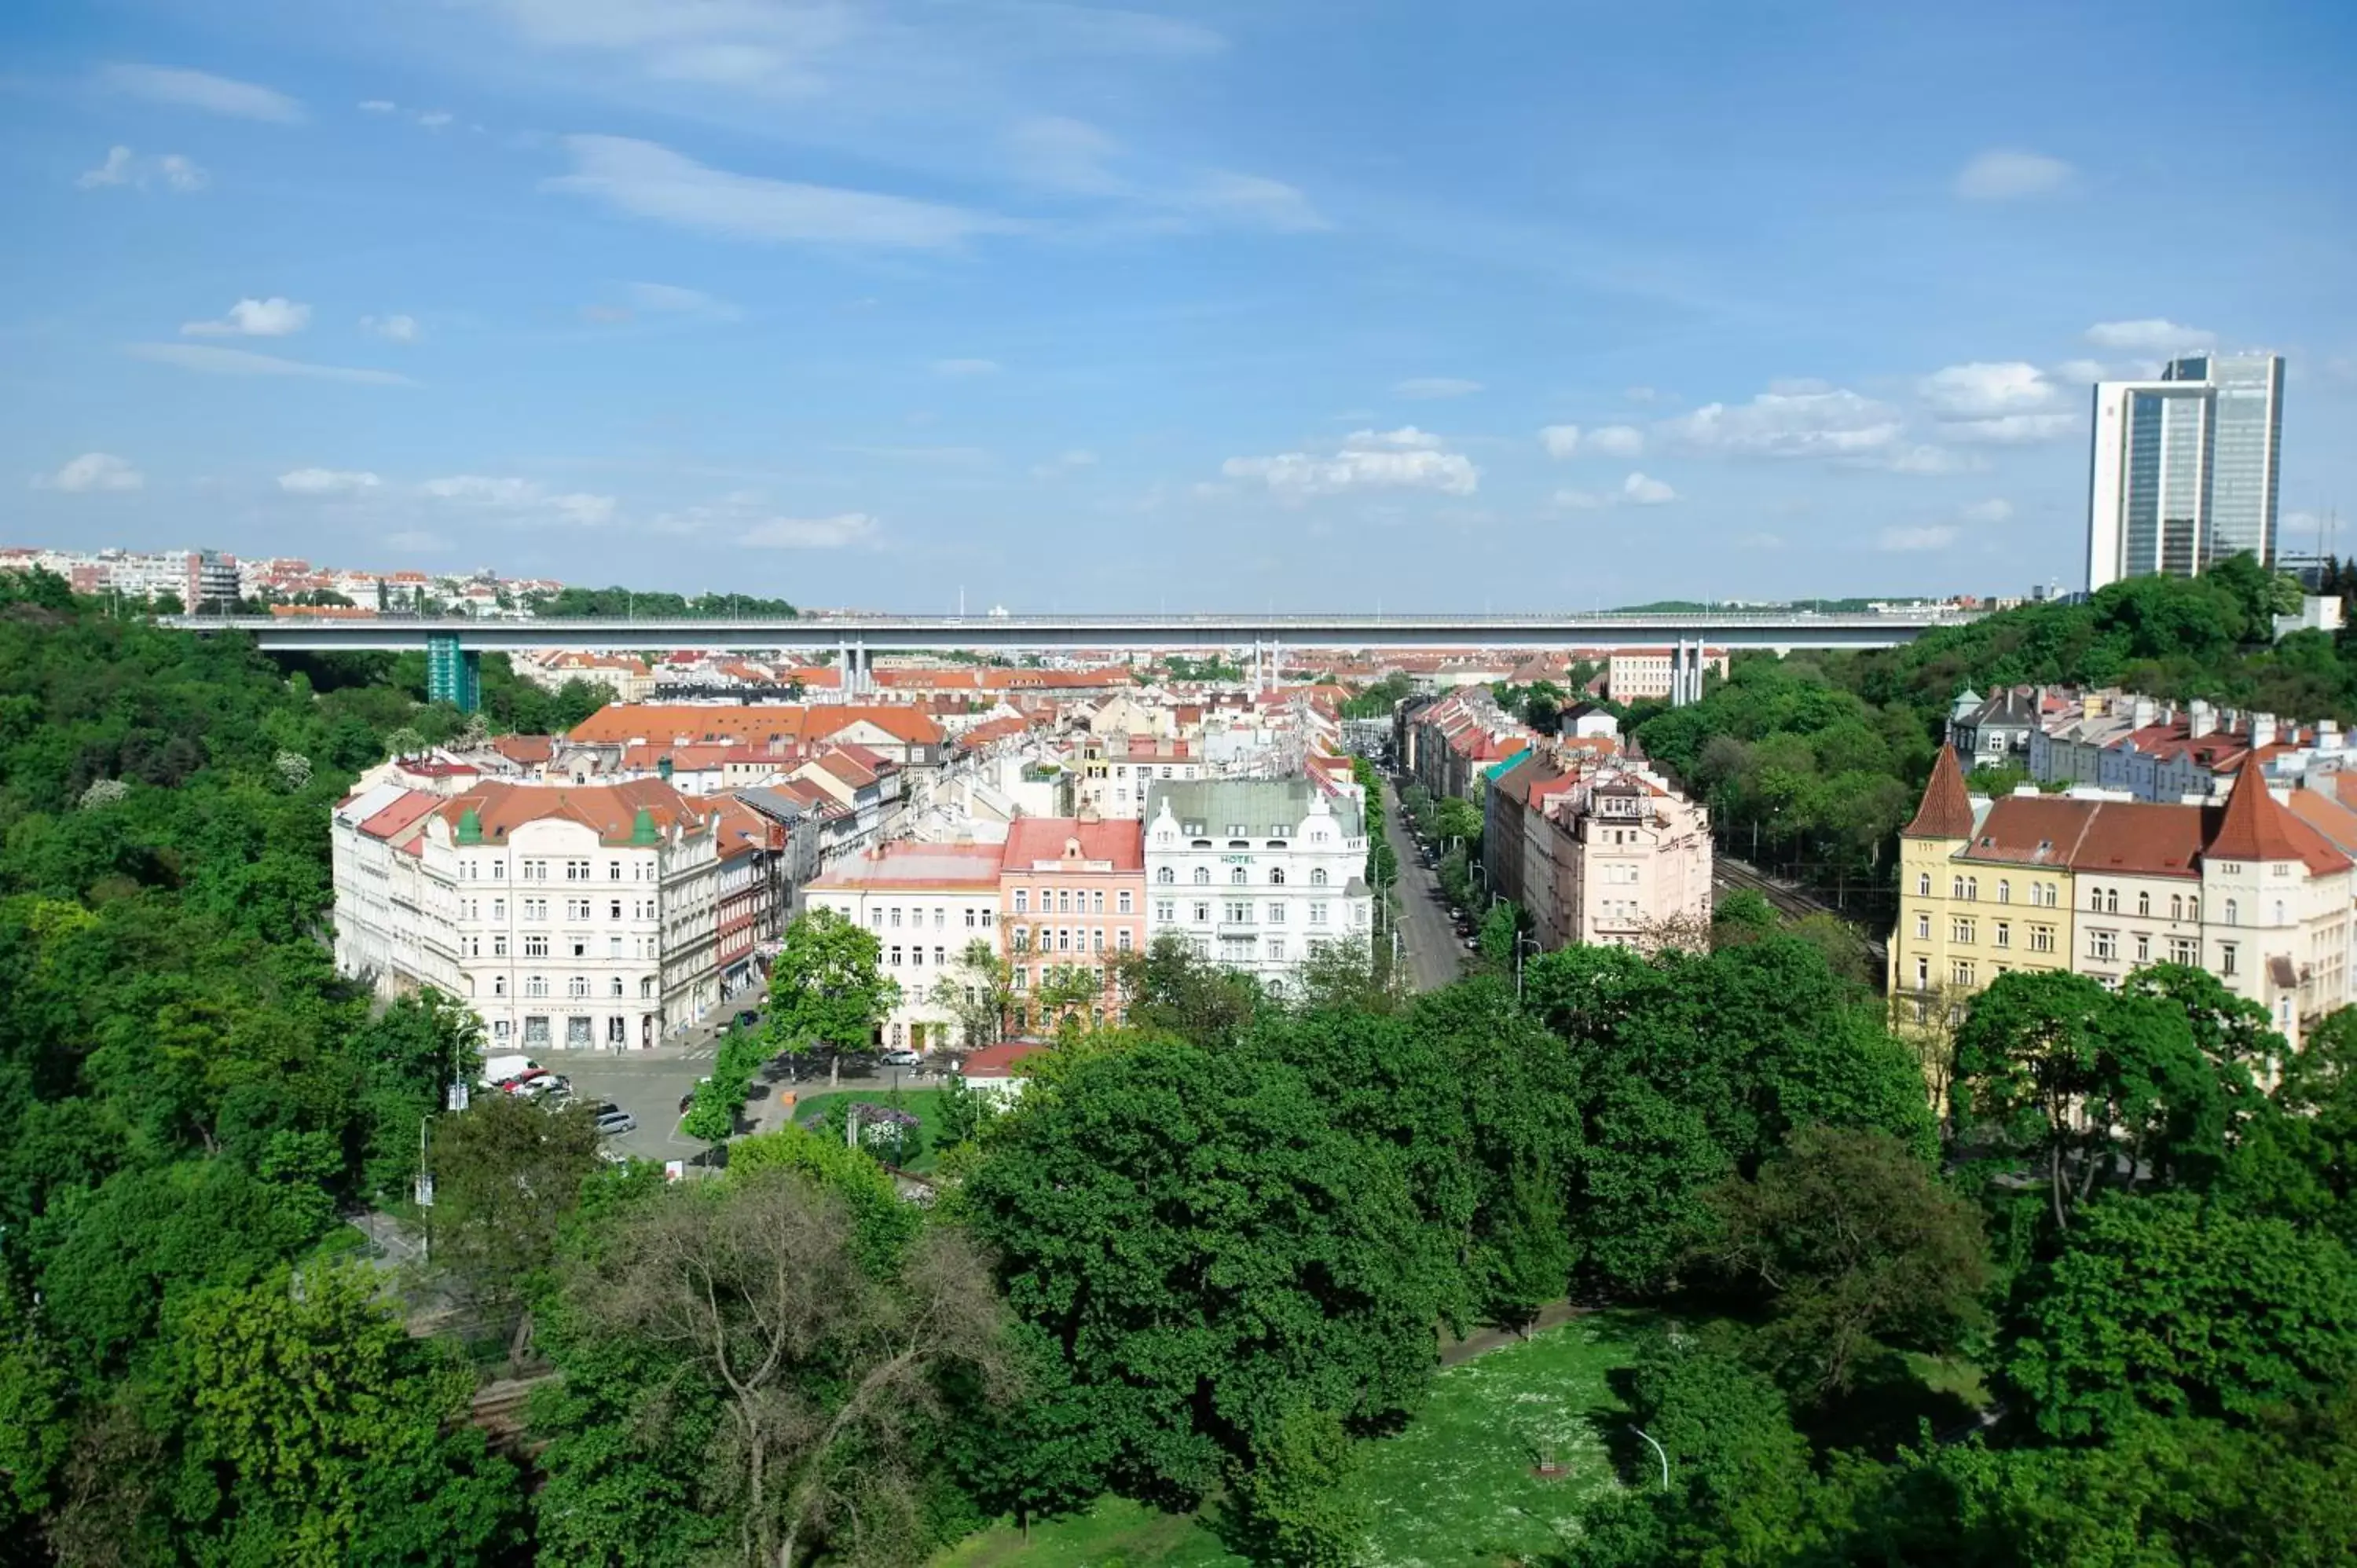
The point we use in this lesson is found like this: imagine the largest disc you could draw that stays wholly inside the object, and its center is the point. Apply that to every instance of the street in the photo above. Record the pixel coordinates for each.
(1434, 952)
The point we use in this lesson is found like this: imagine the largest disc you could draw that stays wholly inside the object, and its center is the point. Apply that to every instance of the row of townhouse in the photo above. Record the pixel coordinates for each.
(2249, 889)
(1596, 848)
(2121, 741)
(1259, 876)
(1450, 745)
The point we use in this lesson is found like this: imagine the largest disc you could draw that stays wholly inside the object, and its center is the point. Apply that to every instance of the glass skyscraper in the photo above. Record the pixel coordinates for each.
(2184, 467)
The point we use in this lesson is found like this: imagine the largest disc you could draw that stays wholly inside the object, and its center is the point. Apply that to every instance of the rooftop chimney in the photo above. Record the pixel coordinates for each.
(2263, 730)
(2143, 712)
(2200, 720)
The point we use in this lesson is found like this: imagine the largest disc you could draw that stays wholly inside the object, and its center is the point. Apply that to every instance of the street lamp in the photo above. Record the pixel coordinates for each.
(1657, 1449)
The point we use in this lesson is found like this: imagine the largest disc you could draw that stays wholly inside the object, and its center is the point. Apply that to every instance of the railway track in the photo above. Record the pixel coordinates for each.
(1727, 873)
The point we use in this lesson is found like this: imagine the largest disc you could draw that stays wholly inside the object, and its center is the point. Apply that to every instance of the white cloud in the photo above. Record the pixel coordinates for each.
(1434, 387)
(520, 500)
(1641, 394)
(1799, 419)
(435, 119)
(2085, 371)
(1252, 198)
(124, 167)
(1922, 459)
(2011, 429)
(1988, 512)
(1616, 441)
(840, 532)
(1937, 537)
(1405, 458)
(327, 482)
(1560, 440)
(647, 180)
(959, 367)
(115, 170)
(198, 89)
(1984, 391)
(1066, 155)
(1064, 463)
(1643, 491)
(276, 316)
(92, 471)
(245, 362)
(392, 329)
(378, 106)
(2153, 336)
(416, 541)
(670, 299)
(2009, 173)
(1580, 500)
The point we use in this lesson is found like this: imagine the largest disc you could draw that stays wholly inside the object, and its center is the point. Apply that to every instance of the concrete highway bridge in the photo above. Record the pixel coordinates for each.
(454, 646)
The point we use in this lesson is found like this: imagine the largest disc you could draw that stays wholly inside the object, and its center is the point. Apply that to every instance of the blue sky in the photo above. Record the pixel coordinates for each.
(1306, 305)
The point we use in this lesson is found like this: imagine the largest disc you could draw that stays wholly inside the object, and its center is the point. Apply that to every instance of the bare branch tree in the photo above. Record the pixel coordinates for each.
(821, 1367)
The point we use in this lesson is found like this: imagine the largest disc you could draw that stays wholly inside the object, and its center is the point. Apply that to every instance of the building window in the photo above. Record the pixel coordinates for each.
(1317, 876)
(498, 944)
(2279, 912)
(613, 946)
(1276, 950)
(2183, 950)
(535, 944)
(2227, 958)
(1063, 902)
(1121, 902)
(535, 986)
(2110, 900)
(1963, 972)
(1096, 902)
(1203, 913)
(1238, 914)
(576, 871)
(2143, 948)
(2233, 913)
(576, 909)
(1165, 912)
(1922, 927)
(896, 916)
(535, 1031)
(2003, 934)
(1096, 940)
(1955, 887)
(2004, 891)
(1121, 939)
(1923, 884)
(1276, 912)
(1276, 876)
(2144, 902)
(1236, 876)
(1317, 914)
(1022, 939)
(499, 986)
(917, 956)
(2176, 907)
(1960, 930)
(1063, 938)
(2042, 938)
(1023, 900)
(896, 958)
(1202, 876)
(1166, 876)
(2103, 945)
(1922, 974)
(580, 946)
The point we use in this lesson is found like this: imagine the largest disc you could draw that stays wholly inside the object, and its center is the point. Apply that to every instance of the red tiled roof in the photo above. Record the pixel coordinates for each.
(1946, 812)
(390, 819)
(1030, 840)
(608, 809)
(2252, 826)
(998, 1061)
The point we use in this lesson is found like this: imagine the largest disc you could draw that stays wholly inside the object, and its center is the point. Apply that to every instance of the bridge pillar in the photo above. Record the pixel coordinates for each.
(453, 674)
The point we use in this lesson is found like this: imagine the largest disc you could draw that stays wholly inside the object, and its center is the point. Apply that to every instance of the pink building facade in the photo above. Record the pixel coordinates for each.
(1072, 897)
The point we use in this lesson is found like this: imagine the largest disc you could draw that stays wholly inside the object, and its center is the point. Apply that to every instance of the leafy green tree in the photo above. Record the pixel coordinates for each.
(1209, 1252)
(313, 1429)
(1295, 1497)
(507, 1175)
(2083, 1083)
(825, 985)
(979, 994)
(1858, 1246)
(1166, 988)
(2299, 1162)
(2176, 1306)
(1456, 818)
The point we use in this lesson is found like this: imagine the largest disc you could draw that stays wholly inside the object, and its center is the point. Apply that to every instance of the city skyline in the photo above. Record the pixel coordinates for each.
(1069, 307)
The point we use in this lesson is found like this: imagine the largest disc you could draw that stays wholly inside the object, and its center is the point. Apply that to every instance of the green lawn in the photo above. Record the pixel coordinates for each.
(1454, 1490)
(924, 1104)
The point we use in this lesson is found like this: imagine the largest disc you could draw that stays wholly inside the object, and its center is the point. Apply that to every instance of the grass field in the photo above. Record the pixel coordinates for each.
(1456, 1489)
(924, 1104)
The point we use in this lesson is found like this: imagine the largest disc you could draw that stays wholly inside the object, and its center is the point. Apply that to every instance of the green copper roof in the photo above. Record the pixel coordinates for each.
(642, 828)
(471, 826)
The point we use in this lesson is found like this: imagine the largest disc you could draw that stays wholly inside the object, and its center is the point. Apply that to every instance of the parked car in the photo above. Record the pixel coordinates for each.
(614, 1124)
(901, 1056)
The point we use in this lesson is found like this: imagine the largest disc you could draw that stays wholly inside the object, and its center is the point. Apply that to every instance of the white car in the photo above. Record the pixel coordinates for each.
(901, 1056)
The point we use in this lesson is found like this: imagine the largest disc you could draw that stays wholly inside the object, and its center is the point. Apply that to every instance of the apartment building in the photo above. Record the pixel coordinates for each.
(926, 903)
(1259, 874)
(627, 678)
(1641, 674)
(564, 917)
(1596, 848)
(2248, 890)
(1072, 896)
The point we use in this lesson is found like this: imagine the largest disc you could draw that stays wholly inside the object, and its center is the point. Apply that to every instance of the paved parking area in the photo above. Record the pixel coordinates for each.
(648, 1084)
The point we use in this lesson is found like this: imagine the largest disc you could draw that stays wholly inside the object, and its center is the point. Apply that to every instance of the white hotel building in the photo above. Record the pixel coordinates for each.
(566, 917)
(1258, 874)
